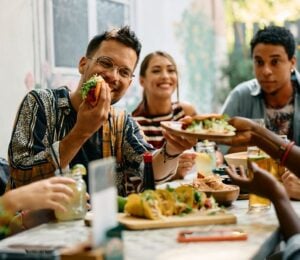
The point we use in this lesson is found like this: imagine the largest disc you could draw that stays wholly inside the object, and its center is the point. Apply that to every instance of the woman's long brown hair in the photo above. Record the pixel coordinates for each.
(145, 64)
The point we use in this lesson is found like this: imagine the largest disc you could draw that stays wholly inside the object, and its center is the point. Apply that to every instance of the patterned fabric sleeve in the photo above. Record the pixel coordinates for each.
(29, 150)
(134, 145)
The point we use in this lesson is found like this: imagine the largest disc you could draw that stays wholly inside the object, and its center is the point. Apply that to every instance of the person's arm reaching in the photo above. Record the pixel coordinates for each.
(166, 159)
(49, 193)
(264, 184)
(250, 133)
(36, 199)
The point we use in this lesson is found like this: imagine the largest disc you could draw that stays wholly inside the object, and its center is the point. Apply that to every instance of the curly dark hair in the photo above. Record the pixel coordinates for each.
(275, 35)
(123, 35)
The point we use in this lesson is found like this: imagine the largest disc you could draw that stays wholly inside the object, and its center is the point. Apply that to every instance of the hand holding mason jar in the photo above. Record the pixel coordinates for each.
(76, 208)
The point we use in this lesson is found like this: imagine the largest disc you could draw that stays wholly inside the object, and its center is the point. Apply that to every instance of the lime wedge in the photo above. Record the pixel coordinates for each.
(121, 203)
(79, 168)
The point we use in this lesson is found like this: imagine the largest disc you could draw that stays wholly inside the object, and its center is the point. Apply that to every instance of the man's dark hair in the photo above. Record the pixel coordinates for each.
(275, 35)
(123, 35)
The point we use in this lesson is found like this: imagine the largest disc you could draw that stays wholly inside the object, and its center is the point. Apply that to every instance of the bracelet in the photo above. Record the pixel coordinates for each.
(282, 149)
(166, 155)
(286, 153)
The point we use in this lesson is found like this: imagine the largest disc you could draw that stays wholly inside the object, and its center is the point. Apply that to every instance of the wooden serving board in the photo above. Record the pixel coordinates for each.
(192, 219)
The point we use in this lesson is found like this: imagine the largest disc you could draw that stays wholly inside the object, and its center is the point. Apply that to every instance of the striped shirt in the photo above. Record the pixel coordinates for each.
(151, 124)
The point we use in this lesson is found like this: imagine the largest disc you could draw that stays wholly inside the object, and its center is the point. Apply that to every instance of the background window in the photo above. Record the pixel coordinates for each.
(111, 14)
(70, 34)
(76, 21)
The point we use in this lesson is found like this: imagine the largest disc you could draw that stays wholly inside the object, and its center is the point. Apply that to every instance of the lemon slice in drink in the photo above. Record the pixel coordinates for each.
(204, 163)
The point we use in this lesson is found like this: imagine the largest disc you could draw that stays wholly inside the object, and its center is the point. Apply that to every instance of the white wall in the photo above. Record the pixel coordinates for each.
(22, 46)
(16, 52)
(156, 20)
(155, 25)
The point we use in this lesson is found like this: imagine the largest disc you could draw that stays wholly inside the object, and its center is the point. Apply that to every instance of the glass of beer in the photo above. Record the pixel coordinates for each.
(276, 169)
(254, 154)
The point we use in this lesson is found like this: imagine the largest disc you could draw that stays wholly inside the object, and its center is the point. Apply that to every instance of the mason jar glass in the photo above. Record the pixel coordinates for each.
(205, 160)
(76, 208)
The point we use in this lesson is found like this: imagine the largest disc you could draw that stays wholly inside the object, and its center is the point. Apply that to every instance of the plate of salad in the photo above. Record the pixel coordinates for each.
(208, 126)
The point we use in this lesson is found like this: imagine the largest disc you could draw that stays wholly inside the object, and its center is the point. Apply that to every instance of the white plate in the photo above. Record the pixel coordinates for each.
(175, 128)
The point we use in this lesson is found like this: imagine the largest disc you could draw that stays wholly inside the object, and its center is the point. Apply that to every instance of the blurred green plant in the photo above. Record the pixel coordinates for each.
(197, 37)
(238, 69)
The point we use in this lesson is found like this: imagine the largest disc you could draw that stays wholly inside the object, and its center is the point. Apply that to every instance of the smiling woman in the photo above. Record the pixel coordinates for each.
(159, 79)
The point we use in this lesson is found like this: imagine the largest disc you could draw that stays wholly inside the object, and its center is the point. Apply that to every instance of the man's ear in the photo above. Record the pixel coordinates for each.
(82, 64)
(294, 62)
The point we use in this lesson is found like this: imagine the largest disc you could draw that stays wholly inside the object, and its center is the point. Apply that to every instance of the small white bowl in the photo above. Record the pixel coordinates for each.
(237, 159)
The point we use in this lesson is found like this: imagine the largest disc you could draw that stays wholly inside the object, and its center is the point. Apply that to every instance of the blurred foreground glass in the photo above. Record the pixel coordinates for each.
(76, 208)
(254, 154)
(205, 160)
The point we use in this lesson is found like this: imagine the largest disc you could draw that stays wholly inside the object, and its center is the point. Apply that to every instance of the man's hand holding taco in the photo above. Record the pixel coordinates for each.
(90, 90)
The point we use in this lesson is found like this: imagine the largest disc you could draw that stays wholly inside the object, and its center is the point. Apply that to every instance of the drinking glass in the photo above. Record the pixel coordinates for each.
(254, 154)
(76, 207)
(278, 170)
(205, 160)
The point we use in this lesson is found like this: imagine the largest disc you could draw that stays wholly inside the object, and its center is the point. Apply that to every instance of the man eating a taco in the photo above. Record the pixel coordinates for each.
(56, 129)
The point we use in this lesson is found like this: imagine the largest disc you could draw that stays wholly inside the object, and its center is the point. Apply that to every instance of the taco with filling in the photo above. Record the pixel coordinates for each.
(144, 205)
(208, 124)
(90, 90)
(166, 202)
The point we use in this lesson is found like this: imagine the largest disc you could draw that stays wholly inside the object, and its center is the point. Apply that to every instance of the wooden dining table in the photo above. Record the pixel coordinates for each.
(262, 230)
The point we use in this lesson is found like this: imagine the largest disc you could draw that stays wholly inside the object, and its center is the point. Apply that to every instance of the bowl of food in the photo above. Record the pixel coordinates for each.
(226, 196)
(212, 185)
(236, 159)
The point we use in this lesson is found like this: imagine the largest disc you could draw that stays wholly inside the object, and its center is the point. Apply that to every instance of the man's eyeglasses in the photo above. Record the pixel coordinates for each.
(108, 64)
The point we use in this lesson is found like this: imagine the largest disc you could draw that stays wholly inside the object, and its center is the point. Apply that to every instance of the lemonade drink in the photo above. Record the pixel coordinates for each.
(205, 160)
(254, 154)
(204, 163)
(76, 208)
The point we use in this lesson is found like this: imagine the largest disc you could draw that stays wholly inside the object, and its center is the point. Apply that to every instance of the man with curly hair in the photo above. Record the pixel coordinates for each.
(274, 94)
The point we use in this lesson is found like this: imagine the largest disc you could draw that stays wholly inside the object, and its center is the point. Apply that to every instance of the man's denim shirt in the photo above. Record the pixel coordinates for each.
(246, 100)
